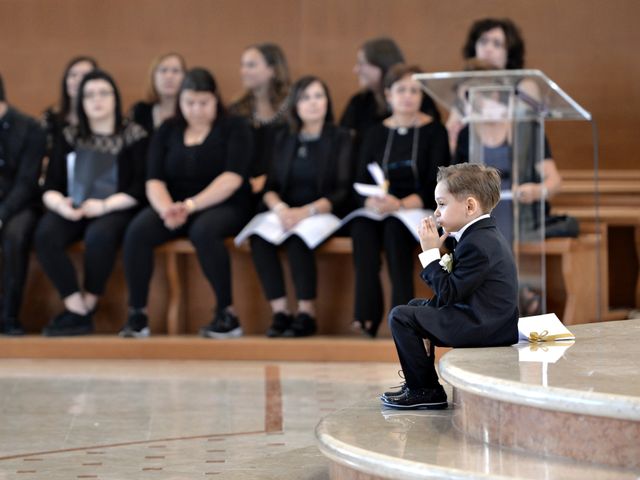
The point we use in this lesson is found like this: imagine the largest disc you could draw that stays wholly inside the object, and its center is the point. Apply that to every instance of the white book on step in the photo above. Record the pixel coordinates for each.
(543, 328)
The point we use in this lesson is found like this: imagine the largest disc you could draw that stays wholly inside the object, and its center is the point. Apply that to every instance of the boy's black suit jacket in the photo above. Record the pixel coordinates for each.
(476, 305)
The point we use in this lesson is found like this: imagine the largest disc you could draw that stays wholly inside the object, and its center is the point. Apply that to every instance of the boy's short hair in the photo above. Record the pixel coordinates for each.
(475, 180)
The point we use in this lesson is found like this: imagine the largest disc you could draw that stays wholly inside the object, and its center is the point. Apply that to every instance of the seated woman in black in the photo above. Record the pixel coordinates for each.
(309, 175)
(197, 188)
(55, 119)
(265, 77)
(94, 182)
(167, 72)
(409, 146)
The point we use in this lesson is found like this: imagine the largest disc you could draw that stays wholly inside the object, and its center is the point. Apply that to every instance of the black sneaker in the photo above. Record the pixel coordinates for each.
(11, 327)
(137, 326)
(303, 325)
(419, 398)
(281, 322)
(224, 325)
(69, 323)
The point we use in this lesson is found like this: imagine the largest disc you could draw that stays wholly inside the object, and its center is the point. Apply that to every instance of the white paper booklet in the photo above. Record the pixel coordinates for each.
(411, 217)
(312, 230)
(543, 328)
(380, 187)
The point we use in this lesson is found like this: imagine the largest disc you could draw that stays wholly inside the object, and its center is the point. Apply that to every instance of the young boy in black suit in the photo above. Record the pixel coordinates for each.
(476, 287)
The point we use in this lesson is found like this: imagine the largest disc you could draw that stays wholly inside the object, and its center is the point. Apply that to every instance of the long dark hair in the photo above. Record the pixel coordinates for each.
(2, 97)
(199, 79)
(278, 86)
(297, 89)
(383, 53)
(84, 129)
(514, 46)
(64, 104)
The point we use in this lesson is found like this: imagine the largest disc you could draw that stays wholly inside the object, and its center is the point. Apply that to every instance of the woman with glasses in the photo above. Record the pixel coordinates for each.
(94, 183)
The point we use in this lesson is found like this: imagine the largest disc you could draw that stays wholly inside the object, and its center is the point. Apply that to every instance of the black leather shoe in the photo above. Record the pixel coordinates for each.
(69, 323)
(396, 393)
(303, 325)
(419, 398)
(280, 323)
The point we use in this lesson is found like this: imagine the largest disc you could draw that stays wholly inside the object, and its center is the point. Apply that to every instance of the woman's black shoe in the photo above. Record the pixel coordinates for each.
(303, 325)
(69, 323)
(280, 323)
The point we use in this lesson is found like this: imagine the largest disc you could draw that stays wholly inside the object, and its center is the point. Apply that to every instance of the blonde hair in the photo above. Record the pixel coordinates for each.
(472, 179)
(152, 93)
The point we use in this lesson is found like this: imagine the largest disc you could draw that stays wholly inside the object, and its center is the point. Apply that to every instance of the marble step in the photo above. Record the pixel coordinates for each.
(367, 441)
(553, 411)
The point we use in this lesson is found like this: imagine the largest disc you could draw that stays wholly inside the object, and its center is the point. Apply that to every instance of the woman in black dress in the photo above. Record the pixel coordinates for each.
(197, 188)
(409, 146)
(310, 174)
(94, 183)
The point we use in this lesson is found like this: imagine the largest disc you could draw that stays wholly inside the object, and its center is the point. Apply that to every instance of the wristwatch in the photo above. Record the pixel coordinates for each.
(312, 210)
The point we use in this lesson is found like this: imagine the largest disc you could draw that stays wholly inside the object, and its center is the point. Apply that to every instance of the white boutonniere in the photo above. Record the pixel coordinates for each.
(446, 262)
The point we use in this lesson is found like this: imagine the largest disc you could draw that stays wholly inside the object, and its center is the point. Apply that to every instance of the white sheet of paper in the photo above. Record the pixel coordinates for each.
(376, 173)
(506, 195)
(368, 190)
(410, 217)
(312, 230)
(539, 323)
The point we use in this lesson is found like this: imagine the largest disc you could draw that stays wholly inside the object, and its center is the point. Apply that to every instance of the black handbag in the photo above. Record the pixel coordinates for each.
(561, 226)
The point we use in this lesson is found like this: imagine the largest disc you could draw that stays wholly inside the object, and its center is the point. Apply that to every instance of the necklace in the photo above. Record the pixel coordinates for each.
(414, 151)
(402, 129)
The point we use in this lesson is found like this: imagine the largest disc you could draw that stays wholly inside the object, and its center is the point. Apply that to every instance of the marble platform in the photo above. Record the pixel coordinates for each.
(551, 411)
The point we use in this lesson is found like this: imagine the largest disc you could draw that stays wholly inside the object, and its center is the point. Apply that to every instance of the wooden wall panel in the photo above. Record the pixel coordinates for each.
(587, 46)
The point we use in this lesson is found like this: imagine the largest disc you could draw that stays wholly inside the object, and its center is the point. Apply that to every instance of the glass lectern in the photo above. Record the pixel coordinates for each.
(505, 112)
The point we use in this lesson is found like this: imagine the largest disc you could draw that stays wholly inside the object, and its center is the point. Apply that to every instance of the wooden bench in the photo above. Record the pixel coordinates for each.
(173, 250)
(621, 243)
(573, 267)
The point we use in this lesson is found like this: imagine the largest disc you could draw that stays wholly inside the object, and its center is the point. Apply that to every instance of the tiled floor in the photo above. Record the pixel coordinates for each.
(66, 419)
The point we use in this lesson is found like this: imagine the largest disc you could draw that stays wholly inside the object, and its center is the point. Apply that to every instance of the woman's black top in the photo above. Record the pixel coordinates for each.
(406, 176)
(362, 112)
(303, 171)
(129, 145)
(187, 170)
(263, 136)
(142, 114)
